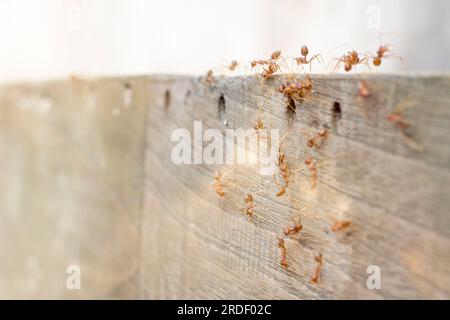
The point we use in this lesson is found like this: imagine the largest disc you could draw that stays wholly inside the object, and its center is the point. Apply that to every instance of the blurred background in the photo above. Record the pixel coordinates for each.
(49, 39)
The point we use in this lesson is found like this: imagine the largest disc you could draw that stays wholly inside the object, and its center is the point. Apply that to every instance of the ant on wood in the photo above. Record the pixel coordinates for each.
(248, 199)
(209, 77)
(317, 140)
(218, 184)
(293, 229)
(282, 246)
(311, 163)
(316, 275)
(340, 224)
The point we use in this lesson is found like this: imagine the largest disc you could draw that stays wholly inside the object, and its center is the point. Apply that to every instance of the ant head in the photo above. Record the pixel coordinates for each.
(354, 55)
(304, 51)
(275, 55)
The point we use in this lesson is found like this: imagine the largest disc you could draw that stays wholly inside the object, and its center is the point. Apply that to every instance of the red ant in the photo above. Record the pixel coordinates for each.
(310, 162)
(317, 140)
(275, 55)
(259, 125)
(397, 119)
(254, 63)
(293, 229)
(284, 169)
(381, 53)
(304, 58)
(218, 185)
(340, 224)
(272, 65)
(316, 275)
(248, 199)
(296, 89)
(282, 246)
(209, 77)
(350, 60)
(270, 70)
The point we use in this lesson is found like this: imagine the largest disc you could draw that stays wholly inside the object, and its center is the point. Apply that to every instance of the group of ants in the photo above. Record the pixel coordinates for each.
(293, 89)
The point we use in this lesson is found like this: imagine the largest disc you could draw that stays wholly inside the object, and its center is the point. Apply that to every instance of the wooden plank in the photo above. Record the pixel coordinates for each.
(88, 180)
(396, 197)
(70, 190)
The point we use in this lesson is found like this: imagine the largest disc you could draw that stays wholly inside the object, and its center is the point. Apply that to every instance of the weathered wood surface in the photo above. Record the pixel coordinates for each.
(71, 188)
(87, 179)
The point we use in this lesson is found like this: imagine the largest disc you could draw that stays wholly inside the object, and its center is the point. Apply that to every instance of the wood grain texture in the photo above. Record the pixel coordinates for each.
(87, 179)
(71, 188)
(397, 198)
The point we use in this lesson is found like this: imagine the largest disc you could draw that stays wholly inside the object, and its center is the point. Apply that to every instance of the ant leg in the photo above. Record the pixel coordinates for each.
(316, 57)
(365, 60)
(403, 105)
(282, 139)
(293, 66)
(275, 178)
(337, 65)
(301, 66)
(285, 64)
(289, 105)
(393, 55)
(321, 58)
(411, 143)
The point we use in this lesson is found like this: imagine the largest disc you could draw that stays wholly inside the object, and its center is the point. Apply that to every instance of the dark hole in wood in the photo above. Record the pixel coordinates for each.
(221, 106)
(337, 113)
(127, 85)
(167, 99)
(290, 104)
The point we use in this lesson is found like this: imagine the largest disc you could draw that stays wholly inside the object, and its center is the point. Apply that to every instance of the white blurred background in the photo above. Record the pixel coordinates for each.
(47, 39)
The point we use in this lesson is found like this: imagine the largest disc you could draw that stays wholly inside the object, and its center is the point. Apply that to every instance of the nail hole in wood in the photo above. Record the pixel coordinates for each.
(221, 106)
(336, 113)
(167, 99)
